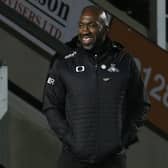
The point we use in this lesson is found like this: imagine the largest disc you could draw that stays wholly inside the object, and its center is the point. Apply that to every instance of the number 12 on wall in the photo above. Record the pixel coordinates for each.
(160, 89)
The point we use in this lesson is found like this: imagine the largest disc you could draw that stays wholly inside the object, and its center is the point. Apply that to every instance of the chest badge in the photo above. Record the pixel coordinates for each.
(80, 68)
(103, 66)
(113, 68)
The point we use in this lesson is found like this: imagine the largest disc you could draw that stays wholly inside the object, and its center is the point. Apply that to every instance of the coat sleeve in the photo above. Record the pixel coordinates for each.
(54, 104)
(138, 102)
(138, 105)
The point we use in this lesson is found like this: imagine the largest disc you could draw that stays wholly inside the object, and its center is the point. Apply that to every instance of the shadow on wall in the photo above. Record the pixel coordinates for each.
(2, 166)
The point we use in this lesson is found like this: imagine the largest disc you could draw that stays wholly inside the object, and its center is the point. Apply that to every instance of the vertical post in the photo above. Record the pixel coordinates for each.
(161, 23)
(152, 21)
(3, 90)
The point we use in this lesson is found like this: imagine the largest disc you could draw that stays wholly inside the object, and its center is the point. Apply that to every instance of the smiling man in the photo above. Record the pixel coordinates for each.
(93, 26)
(94, 97)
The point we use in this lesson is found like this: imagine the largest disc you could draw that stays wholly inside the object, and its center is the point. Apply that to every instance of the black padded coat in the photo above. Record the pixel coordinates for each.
(94, 100)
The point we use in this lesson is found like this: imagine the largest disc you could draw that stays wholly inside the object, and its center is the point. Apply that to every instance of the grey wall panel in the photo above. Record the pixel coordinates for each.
(31, 142)
(26, 67)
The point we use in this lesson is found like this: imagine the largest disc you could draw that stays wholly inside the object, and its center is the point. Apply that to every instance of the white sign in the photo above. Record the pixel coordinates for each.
(3, 90)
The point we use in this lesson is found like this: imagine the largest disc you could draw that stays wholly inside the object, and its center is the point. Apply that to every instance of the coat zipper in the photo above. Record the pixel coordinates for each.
(97, 98)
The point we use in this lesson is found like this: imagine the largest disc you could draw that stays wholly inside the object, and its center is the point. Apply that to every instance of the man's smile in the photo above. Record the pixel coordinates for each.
(87, 39)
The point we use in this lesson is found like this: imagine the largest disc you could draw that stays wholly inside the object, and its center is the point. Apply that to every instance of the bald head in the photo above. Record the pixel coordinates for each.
(97, 12)
(93, 27)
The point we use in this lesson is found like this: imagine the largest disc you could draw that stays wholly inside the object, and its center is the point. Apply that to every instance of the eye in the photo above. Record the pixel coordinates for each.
(81, 26)
(93, 25)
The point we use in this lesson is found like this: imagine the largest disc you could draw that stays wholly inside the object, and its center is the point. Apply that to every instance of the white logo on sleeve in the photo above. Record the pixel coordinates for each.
(70, 55)
(51, 81)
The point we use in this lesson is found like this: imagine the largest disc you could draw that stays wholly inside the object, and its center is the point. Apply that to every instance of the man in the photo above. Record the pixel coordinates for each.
(94, 97)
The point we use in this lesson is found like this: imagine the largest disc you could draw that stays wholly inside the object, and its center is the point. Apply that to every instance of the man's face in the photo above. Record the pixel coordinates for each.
(91, 29)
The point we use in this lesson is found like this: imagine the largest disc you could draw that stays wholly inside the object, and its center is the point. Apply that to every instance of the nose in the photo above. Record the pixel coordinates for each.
(84, 29)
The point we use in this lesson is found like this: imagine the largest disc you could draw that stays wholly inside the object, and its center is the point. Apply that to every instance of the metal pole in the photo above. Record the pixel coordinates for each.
(3, 90)
(161, 23)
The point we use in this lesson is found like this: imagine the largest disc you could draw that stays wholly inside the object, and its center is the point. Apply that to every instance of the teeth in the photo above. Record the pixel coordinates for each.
(87, 38)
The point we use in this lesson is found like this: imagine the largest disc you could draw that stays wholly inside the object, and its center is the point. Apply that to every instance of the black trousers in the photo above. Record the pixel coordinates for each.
(67, 160)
